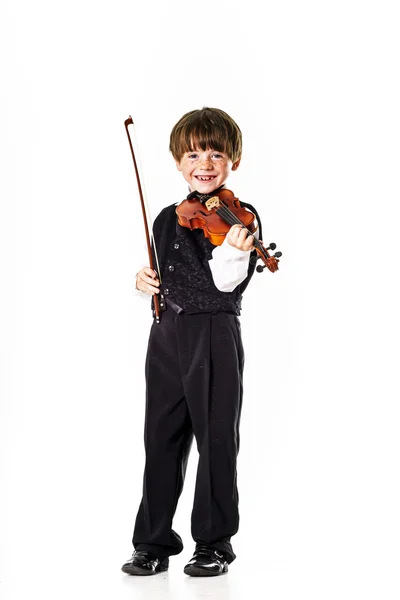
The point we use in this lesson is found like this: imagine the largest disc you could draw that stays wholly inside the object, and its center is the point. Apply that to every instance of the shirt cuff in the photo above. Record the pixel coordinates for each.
(229, 266)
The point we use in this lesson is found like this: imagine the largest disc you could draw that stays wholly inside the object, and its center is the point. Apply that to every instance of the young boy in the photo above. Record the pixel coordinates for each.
(194, 362)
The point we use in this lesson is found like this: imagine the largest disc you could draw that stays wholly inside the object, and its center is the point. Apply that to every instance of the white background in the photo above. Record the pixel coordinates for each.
(314, 87)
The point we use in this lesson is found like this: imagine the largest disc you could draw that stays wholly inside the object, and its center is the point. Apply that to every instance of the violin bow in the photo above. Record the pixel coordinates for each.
(157, 301)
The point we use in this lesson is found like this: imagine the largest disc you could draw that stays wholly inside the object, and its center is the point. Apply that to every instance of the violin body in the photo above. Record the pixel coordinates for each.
(195, 214)
(215, 215)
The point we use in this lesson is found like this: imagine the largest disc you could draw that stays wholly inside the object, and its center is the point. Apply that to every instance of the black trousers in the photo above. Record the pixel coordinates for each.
(194, 370)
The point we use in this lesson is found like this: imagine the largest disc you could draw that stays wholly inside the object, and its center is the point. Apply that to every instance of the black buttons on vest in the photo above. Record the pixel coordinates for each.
(166, 292)
(176, 246)
(171, 268)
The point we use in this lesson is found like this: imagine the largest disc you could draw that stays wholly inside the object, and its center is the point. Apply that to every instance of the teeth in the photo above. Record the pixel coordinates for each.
(205, 178)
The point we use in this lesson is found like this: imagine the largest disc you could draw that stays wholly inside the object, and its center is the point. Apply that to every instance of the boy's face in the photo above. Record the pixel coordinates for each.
(205, 170)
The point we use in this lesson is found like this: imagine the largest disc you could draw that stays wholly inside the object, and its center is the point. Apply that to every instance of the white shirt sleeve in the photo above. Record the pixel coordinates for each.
(229, 266)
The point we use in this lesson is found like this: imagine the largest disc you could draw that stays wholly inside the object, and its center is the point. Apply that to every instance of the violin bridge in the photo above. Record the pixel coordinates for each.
(212, 203)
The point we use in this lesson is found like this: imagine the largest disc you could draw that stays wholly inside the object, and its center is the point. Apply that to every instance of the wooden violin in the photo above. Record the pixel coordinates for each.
(216, 215)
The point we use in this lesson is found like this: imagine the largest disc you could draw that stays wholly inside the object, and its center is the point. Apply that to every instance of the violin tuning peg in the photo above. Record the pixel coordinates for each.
(278, 254)
(272, 246)
(260, 268)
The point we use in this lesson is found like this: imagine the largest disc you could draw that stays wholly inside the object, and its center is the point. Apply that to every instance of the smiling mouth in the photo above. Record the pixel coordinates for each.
(205, 178)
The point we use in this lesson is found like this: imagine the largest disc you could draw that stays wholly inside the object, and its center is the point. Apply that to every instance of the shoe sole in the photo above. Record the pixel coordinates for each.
(133, 570)
(199, 572)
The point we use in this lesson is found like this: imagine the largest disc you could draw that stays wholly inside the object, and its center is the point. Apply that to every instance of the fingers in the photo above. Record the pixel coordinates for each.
(248, 244)
(233, 234)
(238, 237)
(146, 281)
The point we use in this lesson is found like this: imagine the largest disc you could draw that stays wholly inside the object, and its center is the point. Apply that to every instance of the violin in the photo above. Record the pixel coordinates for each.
(217, 215)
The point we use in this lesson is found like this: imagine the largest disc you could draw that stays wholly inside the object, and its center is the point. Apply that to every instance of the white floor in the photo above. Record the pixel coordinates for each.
(97, 576)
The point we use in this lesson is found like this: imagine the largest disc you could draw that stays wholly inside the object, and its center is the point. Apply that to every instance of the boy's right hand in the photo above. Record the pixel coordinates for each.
(146, 281)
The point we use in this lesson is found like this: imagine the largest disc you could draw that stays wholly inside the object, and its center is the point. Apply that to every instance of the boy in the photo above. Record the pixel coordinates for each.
(194, 362)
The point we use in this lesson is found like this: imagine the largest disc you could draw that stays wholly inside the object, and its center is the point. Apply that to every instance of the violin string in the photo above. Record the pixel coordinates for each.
(146, 203)
(228, 216)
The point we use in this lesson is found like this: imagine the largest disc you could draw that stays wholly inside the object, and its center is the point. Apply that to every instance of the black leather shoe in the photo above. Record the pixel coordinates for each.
(206, 562)
(144, 563)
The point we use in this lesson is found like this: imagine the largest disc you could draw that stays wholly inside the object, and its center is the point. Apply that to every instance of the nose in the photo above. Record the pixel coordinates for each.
(206, 163)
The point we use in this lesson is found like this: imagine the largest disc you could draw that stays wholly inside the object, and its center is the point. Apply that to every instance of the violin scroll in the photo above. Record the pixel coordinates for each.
(271, 262)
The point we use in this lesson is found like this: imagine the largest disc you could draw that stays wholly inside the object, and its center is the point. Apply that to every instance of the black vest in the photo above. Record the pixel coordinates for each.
(185, 273)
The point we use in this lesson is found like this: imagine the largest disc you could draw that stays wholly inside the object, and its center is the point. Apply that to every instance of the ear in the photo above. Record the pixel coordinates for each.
(236, 164)
(178, 165)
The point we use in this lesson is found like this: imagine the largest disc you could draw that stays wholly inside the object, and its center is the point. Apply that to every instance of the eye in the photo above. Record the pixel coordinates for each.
(217, 155)
(192, 156)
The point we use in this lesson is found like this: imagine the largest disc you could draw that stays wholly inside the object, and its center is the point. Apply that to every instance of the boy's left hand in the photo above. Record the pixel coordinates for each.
(237, 237)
